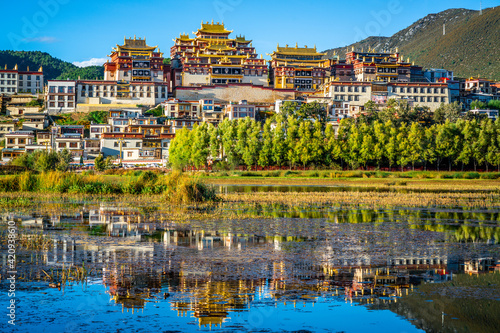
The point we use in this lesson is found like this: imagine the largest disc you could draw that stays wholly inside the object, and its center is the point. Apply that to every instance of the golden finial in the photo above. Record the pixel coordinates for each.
(212, 21)
(296, 45)
(15, 67)
(40, 69)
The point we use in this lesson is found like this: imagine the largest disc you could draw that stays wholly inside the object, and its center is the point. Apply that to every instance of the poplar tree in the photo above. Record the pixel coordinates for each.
(317, 143)
(415, 135)
(291, 141)
(380, 142)
(366, 151)
(200, 146)
(279, 147)
(303, 146)
(266, 151)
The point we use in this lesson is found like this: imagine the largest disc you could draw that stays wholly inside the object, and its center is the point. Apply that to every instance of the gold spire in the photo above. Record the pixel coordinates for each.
(40, 69)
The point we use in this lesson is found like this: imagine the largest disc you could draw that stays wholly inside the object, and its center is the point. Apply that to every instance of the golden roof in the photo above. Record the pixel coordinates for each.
(241, 39)
(220, 47)
(213, 28)
(297, 50)
(184, 37)
(135, 44)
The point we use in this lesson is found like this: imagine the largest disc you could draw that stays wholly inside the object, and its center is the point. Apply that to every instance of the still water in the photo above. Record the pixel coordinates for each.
(322, 269)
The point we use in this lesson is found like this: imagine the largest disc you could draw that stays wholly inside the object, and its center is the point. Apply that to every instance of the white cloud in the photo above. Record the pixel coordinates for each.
(42, 39)
(91, 62)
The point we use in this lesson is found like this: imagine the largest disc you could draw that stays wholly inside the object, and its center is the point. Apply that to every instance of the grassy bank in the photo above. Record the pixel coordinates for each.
(175, 187)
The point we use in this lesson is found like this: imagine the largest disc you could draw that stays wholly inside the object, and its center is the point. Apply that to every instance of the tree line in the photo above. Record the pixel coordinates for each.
(368, 141)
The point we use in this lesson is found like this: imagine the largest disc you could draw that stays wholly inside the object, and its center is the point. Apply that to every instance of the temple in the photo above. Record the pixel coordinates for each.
(300, 68)
(375, 66)
(135, 61)
(212, 57)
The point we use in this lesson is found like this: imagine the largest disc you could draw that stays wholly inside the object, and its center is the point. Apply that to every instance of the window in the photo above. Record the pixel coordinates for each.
(116, 144)
(129, 154)
(138, 145)
(73, 144)
(62, 145)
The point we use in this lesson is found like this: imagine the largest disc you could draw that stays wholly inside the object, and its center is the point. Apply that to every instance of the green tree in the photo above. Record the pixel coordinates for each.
(469, 132)
(228, 129)
(355, 143)
(480, 146)
(303, 144)
(476, 104)
(64, 158)
(403, 146)
(391, 150)
(429, 145)
(380, 142)
(415, 137)
(280, 144)
(317, 145)
(215, 141)
(251, 152)
(99, 164)
(266, 152)
(179, 153)
(292, 136)
(200, 146)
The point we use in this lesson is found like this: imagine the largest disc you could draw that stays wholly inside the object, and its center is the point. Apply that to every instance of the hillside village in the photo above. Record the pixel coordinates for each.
(212, 76)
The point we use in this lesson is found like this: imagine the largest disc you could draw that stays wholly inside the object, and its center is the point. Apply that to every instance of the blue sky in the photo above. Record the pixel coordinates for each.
(77, 31)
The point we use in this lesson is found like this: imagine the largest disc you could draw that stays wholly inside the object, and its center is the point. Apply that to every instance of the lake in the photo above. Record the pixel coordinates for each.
(108, 265)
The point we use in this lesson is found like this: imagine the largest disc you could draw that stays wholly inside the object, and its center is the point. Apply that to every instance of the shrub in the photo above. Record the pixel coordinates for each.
(471, 175)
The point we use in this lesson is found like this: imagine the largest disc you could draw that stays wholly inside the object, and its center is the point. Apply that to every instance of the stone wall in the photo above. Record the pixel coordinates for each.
(234, 93)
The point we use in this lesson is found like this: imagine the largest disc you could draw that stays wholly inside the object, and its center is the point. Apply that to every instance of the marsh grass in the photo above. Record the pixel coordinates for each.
(176, 187)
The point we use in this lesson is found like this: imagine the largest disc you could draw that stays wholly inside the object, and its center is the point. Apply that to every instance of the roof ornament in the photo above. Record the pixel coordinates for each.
(296, 45)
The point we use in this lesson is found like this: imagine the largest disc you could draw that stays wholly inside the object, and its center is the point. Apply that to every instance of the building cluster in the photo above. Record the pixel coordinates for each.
(129, 136)
(211, 76)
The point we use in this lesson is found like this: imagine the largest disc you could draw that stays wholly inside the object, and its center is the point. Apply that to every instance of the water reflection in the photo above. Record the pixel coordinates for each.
(121, 221)
(216, 271)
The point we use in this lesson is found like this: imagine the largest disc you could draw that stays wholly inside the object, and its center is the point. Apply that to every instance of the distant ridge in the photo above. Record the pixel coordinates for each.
(470, 47)
(53, 68)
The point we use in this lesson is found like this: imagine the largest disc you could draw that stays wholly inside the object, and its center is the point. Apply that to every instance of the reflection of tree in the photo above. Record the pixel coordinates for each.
(466, 304)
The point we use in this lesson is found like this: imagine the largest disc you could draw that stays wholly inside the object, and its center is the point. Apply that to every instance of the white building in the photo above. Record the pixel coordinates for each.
(125, 146)
(14, 81)
(97, 129)
(60, 96)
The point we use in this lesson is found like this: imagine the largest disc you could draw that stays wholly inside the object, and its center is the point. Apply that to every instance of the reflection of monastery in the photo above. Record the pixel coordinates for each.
(209, 274)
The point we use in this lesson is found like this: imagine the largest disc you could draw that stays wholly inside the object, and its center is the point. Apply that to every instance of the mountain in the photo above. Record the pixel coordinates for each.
(53, 68)
(469, 47)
